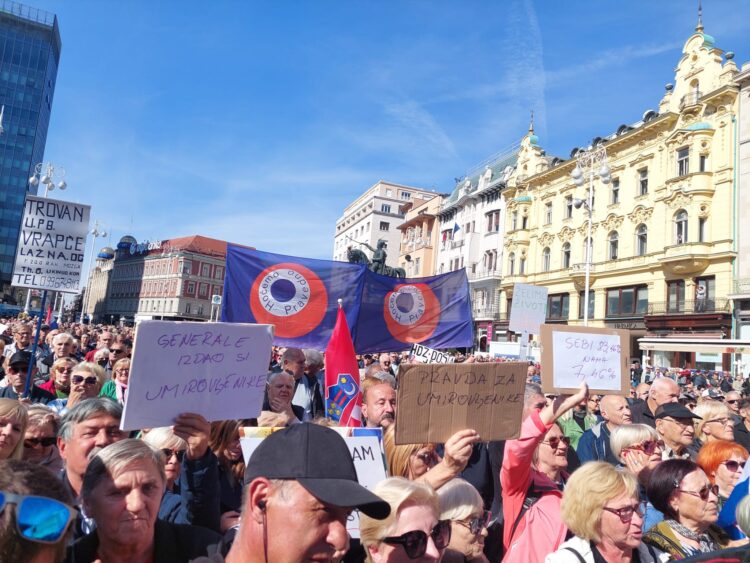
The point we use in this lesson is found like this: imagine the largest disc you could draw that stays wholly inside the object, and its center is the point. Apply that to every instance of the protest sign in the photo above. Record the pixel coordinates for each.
(217, 370)
(51, 245)
(425, 355)
(437, 400)
(366, 449)
(528, 309)
(573, 354)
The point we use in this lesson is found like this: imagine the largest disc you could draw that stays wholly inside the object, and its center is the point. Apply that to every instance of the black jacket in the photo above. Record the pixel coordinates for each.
(642, 414)
(742, 435)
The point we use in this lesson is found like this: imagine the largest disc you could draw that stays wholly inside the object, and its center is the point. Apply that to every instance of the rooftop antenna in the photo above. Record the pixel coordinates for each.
(531, 123)
(699, 27)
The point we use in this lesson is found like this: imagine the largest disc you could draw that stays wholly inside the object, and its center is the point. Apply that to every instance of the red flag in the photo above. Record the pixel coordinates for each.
(343, 398)
(48, 318)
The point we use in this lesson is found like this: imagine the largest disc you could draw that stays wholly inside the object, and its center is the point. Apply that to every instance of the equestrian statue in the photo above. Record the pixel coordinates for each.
(377, 264)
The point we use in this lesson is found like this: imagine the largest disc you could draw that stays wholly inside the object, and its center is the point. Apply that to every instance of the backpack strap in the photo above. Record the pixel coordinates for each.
(532, 495)
(578, 555)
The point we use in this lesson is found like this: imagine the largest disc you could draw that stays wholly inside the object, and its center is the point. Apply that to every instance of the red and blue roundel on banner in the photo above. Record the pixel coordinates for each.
(412, 312)
(289, 296)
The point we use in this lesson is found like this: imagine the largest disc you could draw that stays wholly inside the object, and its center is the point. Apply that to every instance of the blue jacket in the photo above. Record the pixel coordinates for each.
(195, 498)
(594, 445)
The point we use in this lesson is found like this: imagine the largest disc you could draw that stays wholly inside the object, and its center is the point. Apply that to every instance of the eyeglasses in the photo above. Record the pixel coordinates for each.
(648, 447)
(64, 370)
(732, 401)
(116, 350)
(428, 458)
(168, 453)
(704, 492)
(734, 466)
(39, 519)
(626, 513)
(476, 525)
(44, 442)
(123, 370)
(554, 442)
(89, 380)
(415, 542)
(722, 421)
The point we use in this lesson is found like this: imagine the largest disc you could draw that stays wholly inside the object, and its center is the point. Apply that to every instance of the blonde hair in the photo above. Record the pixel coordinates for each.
(398, 493)
(708, 410)
(459, 499)
(13, 409)
(397, 456)
(164, 437)
(627, 435)
(588, 490)
(92, 368)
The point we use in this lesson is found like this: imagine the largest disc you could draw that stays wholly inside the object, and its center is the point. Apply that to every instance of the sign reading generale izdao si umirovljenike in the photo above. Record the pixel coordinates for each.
(51, 245)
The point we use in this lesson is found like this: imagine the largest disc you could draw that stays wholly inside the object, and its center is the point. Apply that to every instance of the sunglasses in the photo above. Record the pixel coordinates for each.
(554, 443)
(732, 401)
(415, 542)
(44, 442)
(626, 513)
(88, 380)
(648, 447)
(704, 492)
(168, 453)
(116, 350)
(64, 370)
(734, 466)
(476, 525)
(39, 519)
(428, 458)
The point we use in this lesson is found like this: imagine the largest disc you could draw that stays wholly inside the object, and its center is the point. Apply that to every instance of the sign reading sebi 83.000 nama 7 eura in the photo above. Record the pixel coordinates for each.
(51, 245)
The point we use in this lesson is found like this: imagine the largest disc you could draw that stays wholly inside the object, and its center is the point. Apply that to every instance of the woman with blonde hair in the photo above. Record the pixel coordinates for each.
(117, 387)
(85, 383)
(13, 421)
(59, 377)
(461, 504)
(40, 439)
(715, 422)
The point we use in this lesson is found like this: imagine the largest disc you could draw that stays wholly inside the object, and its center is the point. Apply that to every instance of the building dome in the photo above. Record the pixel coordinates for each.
(125, 242)
(106, 253)
(533, 140)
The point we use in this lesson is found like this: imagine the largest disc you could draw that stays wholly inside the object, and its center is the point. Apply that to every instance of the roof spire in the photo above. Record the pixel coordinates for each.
(699, 27)
(531, 123)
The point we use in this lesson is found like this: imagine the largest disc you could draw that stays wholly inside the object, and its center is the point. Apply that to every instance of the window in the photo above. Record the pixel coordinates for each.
(545, 260)
(186, 266)
(191, 288)
(405, 195)
(219, 271)
(705, 293)
(581, 299)
(187, 308)
(205, 270)
(566, 255)
(615, 198)
(514, 220)
(643, 181)
(524, 221)
(593, 198)
(702, 229)
(703, 162)
(512, 264)
(587, 249)
(203, 290)
(681, 227)
(385, 208)
(613, 241)
(522, 265)
(676, 296)
(416, 266)
(627, 301)
(683, 161)
(641, 240)
(568, 206)
(467, 228)
(384, 225)
(547, 213)
(558, 306)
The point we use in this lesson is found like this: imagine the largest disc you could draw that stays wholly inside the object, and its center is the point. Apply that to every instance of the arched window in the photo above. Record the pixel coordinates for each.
(641, 240)
(681, 227)
(587, 254)
(545, 260)
(522, 265)
(512, 264)
(566, 255)
(613, 240)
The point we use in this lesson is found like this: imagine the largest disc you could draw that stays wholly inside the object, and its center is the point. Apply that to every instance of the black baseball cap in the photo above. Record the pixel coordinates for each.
(674, 410)
(319, 460)
(21, 357)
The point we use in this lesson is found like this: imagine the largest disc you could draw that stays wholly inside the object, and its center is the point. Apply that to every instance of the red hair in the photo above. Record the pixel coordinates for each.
(713, 454)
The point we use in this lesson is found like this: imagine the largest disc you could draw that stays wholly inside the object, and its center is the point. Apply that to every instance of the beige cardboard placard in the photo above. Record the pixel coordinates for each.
(437, 400)
(596, 355)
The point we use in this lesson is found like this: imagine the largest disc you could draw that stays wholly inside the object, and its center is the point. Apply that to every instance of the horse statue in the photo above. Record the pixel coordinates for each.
(356, 256)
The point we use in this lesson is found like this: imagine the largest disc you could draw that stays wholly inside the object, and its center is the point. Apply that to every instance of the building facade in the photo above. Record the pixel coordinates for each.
(29, 57)
(419, 237)
(662, 243)
(374, 216)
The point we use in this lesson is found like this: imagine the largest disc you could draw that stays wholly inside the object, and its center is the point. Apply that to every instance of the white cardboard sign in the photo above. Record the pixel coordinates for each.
(51, 245)
(528, 309)
(425, 355)
(217, 370)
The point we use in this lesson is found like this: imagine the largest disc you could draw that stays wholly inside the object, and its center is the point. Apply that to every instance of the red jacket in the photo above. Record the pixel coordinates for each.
(49, 386)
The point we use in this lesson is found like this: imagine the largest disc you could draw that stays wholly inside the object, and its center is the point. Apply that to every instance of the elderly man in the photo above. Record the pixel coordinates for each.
(301, 480)
(16, 372)
(279, 392)
(22, 340)
(379, 401)
(742, 428)
(105, 340)
(308, 394)
(674, 424)
(594, 444)
(732, 401)
(62, 347)
(385, 363)
(663, 390)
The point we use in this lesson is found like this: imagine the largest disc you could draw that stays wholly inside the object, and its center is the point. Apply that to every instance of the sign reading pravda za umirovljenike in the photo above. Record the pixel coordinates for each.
(51, 245)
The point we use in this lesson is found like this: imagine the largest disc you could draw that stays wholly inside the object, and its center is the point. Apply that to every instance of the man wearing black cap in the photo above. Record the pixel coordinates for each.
(18, 367)
(674, 424)
(300, 486)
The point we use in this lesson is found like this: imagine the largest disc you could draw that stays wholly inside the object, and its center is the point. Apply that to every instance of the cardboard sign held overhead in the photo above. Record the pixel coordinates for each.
(528, 309)
(573, 354)
(425, 355)
(437, 400)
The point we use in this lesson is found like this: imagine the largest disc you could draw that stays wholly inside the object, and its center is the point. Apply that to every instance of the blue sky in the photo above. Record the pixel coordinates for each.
(258, 122)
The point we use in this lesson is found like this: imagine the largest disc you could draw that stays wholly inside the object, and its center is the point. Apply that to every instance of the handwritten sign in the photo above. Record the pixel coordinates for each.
(425, 355)
(437, 400)
(528, 309)
(217, 370)
(51, 244)
(364, 446)
(574, 354)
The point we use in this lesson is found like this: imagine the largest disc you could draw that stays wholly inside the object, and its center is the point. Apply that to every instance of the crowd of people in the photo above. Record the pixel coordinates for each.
(656, 476)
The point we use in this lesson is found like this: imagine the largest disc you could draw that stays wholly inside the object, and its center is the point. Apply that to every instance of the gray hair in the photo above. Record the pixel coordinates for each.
(743, 515)
(62, 335)
(164, 437)
(274, 374)
(85, 410)
(627, 435)
(385, 377)
(372, 369)
(101, 353)
(39, 415)
(290, 354)
(111, 460)
(459, 499)
(531, 390)
(313, 357)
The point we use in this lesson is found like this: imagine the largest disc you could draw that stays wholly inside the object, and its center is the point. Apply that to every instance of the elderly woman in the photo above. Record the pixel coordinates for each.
(101, 357)
(117, 387)
(59, 377)
(716, 422)
(13, 421)
(421, 462)
(85, 383)
(461, 504)
(681, 491)
(224, 441)
(30, 495)
(723, 462)
(40, 440)
(122, 491)
(412, 531)
(638, 449)
(601, 506)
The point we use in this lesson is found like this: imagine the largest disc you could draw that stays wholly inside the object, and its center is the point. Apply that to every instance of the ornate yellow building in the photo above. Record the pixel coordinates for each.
(663, 230)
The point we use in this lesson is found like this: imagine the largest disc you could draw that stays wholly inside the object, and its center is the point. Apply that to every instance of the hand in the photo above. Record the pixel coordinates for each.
(636, 461)
(229, 520)
(458, 449)
(269, 419)
(281, 406)
(24, 400)
(195, 430)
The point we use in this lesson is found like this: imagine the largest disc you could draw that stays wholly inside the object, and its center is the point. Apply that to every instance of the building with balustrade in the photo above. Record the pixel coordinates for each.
(419, 236)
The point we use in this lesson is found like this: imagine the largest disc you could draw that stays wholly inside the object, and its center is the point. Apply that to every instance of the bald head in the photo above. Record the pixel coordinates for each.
(615, 410)
(663, 390)
(641, 391)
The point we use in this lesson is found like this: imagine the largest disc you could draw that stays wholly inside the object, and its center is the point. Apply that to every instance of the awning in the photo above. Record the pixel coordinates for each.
(693, 344)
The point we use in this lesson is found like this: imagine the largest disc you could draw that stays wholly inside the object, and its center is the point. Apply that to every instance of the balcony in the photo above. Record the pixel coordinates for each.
(683, 307)
(577, 273)
(485, 275)
(691, 99)
(485, 312)
(693, 183)
(684, 259)
(521, 236)
(457, 243)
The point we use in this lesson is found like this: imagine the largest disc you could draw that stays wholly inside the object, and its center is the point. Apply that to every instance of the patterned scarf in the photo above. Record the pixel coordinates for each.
(704, 540)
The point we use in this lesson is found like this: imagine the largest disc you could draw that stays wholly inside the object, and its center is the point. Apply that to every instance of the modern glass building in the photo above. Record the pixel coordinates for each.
(29, 56)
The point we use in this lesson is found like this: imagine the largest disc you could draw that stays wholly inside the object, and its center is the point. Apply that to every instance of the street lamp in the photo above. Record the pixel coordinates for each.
(95, 233)
(592, 162)
(44, 173)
